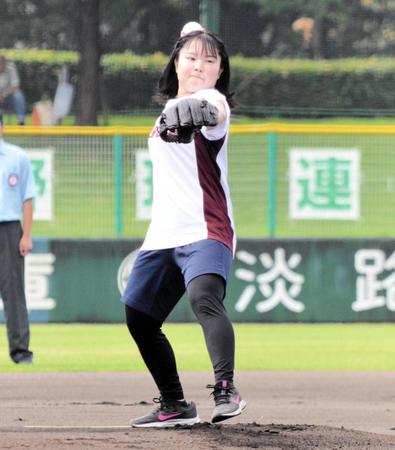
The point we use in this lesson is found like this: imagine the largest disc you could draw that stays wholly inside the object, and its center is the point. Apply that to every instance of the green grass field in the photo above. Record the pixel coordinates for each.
(269, 347)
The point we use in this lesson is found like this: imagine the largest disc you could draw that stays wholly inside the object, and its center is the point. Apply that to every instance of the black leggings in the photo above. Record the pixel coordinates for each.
(206, 294)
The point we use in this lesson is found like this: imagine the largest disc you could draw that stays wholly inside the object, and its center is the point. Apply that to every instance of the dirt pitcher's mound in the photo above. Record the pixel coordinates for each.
(203, 436)
(347, 411)
(284, 437)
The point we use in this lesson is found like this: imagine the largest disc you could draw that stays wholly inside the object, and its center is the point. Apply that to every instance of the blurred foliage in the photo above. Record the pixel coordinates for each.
(249, 27)
(323, 30)
(129, 80)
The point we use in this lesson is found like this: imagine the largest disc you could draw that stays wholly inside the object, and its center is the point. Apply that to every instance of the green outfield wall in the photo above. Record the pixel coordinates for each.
(272, 280)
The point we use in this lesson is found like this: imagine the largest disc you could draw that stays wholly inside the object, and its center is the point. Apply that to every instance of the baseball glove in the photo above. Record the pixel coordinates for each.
(180, 123)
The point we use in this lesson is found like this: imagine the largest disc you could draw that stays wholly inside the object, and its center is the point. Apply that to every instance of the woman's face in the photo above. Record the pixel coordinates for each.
(196, 69)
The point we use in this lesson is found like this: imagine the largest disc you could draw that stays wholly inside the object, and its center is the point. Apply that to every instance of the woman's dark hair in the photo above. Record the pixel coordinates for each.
(212, 43)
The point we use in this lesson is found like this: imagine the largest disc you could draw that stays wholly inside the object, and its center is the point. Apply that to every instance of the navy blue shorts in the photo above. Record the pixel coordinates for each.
(159, 277)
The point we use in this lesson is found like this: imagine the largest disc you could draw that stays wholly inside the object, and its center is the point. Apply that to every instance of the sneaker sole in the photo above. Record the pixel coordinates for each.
(222, 417)
(167, 423)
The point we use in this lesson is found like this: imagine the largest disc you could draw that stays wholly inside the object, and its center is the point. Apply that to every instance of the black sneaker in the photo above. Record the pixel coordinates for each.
(168, 414)
(23, 357)
(228, 402)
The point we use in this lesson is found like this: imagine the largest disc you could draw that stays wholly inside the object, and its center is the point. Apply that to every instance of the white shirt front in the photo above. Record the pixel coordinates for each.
(191, 198)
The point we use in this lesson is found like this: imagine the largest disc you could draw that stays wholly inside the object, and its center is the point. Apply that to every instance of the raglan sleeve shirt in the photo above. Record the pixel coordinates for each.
(191, 199)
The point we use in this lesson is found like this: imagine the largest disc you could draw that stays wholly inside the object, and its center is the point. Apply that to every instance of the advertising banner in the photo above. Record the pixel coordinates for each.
(279, 280)
(324, 184)
(144, 185)
(42, 165)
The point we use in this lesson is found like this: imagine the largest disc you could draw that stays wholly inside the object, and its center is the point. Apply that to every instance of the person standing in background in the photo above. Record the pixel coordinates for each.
(17, 190)
(10, 92)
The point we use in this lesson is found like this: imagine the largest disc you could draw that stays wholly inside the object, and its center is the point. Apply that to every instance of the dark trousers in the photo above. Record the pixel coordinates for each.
(12, 288)
(206, 293)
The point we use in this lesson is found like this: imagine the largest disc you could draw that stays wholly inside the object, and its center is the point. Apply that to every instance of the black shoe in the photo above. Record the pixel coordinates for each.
(228, 402)
(23, 358)
(21, 122)
(168, 414)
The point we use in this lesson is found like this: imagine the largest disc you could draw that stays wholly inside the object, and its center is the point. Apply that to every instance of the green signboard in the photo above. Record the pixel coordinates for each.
(42, 165)
(274, 280)
(324, 184)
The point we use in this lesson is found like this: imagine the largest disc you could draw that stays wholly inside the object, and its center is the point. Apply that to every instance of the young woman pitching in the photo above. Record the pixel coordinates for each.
(191, 240)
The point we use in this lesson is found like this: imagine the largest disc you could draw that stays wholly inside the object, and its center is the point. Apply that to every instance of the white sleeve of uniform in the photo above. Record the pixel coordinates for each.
(213, 96)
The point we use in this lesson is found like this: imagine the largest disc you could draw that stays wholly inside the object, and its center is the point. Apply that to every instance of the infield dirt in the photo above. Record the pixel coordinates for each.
(285, 410)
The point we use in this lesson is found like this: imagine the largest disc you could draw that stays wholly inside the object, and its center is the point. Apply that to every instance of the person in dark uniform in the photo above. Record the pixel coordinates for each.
(17, 190)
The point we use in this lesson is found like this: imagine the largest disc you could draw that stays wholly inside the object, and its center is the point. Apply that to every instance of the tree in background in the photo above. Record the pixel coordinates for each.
(341, 28)
(92, 27)
(89, 46)
(66, 25)
(250, 27)
(253, 28)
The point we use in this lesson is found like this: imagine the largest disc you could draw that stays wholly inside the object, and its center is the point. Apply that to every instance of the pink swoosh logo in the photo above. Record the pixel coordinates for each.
(168, 416)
